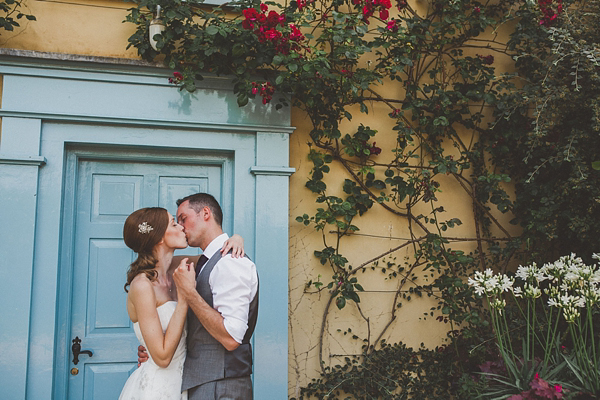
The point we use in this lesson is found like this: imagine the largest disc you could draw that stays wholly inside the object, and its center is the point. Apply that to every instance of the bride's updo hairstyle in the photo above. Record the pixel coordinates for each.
(143, 230)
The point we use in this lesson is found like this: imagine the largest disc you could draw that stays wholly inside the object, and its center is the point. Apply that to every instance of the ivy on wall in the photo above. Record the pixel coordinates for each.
(335, 56)
(10, 12)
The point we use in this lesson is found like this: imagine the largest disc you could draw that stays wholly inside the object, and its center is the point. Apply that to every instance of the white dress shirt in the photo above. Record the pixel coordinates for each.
(234, 283)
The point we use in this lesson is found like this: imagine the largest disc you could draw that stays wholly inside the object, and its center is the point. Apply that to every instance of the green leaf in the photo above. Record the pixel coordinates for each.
(596, 165)
(354, 297)
(238, 50)
(242, 99)
(362, 29)
(278, 59)
(212, 30)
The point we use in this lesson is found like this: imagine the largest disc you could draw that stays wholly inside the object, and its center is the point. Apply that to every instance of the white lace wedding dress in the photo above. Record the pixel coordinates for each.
(151, 382)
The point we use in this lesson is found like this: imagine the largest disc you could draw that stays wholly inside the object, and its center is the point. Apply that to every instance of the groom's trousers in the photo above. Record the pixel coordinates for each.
(224, 389)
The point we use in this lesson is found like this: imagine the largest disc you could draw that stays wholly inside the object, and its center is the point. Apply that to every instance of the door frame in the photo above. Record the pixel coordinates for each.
(43, 91)
(75, 154)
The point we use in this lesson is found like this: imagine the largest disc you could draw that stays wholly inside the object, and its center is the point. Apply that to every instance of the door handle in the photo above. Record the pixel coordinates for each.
(76, 349)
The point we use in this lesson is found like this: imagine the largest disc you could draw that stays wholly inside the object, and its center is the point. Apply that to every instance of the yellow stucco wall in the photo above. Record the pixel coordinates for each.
(82, 27)
(93, 27)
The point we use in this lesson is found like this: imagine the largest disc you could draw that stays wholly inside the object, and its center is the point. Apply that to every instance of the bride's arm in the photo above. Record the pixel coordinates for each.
(160, 346)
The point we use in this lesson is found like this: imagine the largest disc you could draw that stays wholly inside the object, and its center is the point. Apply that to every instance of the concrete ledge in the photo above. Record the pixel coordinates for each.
(22, 160)
(43, 55)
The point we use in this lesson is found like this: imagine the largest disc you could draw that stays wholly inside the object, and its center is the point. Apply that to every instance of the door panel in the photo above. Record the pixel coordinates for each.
(107, 192)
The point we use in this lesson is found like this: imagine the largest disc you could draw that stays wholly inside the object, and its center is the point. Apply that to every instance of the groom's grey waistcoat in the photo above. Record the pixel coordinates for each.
(207, 360)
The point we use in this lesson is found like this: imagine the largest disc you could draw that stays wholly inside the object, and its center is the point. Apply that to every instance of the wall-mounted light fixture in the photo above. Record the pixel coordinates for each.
(156, 26)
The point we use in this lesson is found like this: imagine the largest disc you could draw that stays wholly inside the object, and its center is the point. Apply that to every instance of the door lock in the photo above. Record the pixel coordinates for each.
(76, 349)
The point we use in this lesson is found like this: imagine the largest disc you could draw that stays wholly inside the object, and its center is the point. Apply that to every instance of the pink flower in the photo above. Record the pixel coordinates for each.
(476, 10)
(549, 16)
(272, 34)
(177, 75)
(488, 60)
(558, 388)
(296, 33)
(392, 25)
(367, 11)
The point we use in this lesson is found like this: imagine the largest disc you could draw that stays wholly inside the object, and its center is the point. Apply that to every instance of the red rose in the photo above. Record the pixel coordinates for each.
(250, 14)
(273, 19)
(374, 150)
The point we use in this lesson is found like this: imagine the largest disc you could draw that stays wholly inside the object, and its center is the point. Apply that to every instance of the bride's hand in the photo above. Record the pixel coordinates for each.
(236, 244)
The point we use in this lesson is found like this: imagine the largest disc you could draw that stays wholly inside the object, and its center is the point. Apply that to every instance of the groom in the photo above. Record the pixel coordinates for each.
(222, 294)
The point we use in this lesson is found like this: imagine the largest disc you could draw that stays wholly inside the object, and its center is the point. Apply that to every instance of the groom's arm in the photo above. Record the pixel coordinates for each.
(210, 318)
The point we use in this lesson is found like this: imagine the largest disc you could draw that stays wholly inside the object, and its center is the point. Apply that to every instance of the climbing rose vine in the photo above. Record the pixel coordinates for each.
(455, 125)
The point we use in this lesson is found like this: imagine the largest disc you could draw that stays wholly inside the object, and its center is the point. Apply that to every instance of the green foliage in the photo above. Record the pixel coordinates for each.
(548, 132)
(10, 12)
(441, 59)
(392, 372)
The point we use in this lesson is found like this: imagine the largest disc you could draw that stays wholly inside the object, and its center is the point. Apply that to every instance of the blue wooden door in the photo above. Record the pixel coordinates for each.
(106, 193)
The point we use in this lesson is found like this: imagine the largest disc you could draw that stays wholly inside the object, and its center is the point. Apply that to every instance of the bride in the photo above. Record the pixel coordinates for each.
(158, 318)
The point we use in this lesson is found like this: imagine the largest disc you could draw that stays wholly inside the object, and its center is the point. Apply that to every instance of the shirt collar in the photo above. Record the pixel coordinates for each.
(215, 245)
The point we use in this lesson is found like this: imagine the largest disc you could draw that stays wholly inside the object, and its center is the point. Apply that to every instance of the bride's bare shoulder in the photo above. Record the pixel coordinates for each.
(140, 285)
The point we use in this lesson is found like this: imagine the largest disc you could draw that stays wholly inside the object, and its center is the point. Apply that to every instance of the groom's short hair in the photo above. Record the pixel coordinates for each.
(200, 200)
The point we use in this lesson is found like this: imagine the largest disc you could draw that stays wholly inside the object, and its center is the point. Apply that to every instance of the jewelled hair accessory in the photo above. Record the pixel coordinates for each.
(144, 228)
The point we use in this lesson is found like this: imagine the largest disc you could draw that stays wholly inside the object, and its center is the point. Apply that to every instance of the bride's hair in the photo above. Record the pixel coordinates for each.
(143, 230)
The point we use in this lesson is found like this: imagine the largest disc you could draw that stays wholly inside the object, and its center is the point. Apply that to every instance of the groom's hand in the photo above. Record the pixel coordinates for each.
(142, 355)
(185, 278)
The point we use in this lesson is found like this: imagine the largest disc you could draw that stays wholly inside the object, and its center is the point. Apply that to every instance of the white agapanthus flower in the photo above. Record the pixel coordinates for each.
(595, 277)
(572, 284)
(506, 283)
(498, 304)
(531, 292)
(489, 284)
(528, 272)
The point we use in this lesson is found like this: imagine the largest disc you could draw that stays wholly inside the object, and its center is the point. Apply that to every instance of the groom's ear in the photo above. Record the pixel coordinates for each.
(206, 213)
